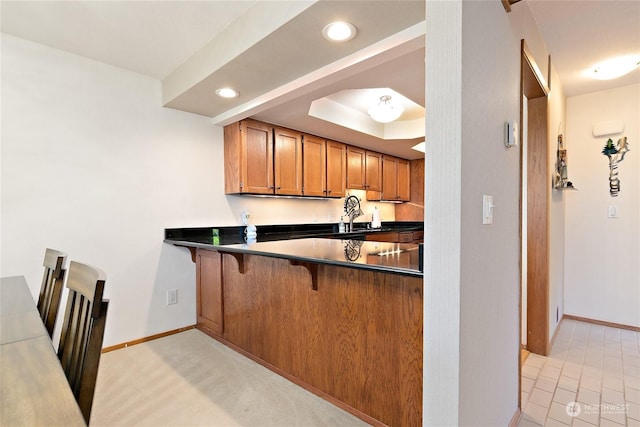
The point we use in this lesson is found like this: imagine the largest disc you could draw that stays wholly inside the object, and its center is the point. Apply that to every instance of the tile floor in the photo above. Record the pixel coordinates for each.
(590, 378)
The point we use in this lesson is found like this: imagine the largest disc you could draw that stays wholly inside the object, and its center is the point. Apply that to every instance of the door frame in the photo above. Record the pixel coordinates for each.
(532, 87)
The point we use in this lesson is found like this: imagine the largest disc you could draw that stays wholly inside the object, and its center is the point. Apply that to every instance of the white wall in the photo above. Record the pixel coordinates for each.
(472, 274)
(490, 274)
(472, 283)
(93, 165)
(602, 272)
(556, 124)
(442, 231)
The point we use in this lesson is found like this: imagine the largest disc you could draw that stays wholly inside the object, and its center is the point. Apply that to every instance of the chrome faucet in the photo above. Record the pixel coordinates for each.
(352, 209)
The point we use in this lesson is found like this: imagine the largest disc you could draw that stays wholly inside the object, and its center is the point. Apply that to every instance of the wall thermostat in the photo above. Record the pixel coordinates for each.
(511, 134)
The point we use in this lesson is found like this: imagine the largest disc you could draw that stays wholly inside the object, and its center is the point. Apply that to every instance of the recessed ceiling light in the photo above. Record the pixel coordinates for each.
(614, 67)
(339, 31)
(227, 92)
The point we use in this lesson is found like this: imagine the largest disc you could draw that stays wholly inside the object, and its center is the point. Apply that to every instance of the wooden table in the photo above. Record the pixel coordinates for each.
(33, 387)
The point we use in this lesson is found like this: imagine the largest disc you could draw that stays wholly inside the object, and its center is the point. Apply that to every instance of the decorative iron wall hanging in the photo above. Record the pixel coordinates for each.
(560, 175)
(615, 153)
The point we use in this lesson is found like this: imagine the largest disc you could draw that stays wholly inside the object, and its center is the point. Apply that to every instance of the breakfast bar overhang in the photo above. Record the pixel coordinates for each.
(341, 318)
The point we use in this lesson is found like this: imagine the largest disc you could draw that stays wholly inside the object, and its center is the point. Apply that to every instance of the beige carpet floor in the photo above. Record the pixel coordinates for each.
(190, 379)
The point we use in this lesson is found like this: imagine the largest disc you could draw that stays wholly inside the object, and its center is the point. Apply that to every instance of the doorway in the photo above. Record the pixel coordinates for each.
(534, 212)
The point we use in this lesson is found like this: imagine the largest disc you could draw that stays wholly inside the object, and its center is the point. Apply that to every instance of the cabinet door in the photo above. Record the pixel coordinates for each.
(336, 169)
(256, 157)
(356, 171)
(373, 165)
(209, 290)
(232, 159)
(404, 180)
(389, 178)
(288, 162)
(314, 166)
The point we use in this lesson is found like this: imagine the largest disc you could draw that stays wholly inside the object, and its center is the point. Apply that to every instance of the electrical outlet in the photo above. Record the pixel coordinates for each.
(244, 217)
(172, 296)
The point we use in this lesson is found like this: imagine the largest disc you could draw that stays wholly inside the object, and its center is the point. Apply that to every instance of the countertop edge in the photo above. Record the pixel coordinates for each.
(249, 251)
(291, 231)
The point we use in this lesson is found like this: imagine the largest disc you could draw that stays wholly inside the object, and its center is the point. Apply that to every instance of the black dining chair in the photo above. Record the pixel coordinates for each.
(82, 332)
(51, 288)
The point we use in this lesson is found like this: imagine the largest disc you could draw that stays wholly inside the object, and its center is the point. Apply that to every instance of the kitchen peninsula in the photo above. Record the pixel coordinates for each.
(340, 314)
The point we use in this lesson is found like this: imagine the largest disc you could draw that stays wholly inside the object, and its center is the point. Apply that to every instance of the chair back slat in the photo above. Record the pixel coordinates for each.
(51, 287)
(91, 361)
(83, 331)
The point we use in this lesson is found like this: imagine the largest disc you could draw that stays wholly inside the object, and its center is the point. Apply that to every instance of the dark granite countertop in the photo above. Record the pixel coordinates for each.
(325, 247)
(267, 233)
(397, 258)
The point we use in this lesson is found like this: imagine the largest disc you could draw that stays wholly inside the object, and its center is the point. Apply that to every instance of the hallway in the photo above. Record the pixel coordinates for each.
(596, 366)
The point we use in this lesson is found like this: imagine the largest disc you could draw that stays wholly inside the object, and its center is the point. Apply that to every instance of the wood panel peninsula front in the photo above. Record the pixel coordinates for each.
(341, 318)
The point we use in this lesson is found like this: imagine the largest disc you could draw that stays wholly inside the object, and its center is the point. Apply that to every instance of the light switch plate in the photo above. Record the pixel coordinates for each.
(612, 212)
(487, 209)
(172, 296)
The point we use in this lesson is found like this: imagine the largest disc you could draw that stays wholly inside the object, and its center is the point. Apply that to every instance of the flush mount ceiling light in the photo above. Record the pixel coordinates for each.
(384, 111)
(614, 67)
(227, 92)
(339, 31)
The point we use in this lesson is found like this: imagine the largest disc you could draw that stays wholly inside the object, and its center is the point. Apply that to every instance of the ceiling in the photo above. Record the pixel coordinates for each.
(581, 33)
(274, 54)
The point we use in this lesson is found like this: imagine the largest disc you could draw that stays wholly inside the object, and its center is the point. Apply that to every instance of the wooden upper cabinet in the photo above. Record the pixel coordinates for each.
(404, 180)
(356, 158)
(364, 169)
(324, 165)
(314, 166)
(336, 169)
(287, 162)
(389, 178)
(248, 157)
(373, 174)
(396, 176)
(263, 159)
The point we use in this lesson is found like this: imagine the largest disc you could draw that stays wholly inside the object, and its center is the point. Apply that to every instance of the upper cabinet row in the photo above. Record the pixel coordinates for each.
(264, 159)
